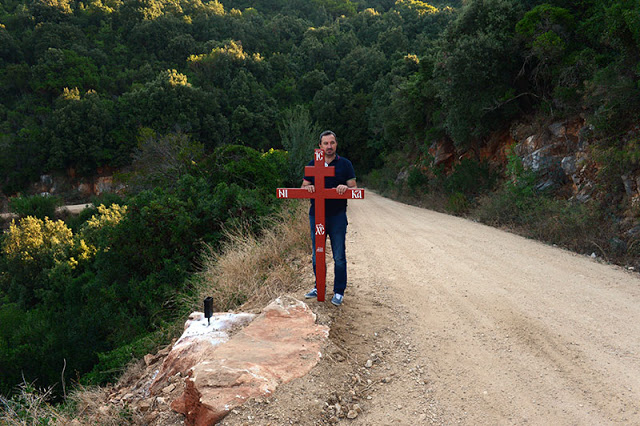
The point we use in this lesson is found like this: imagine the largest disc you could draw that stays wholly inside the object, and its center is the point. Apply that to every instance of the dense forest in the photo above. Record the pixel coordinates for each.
(206, 106)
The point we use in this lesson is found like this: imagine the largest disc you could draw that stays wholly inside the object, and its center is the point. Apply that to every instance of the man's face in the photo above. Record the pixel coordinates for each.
(328, 144)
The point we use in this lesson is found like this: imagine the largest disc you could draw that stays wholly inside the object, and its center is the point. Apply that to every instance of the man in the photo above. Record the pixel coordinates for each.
(335, 213)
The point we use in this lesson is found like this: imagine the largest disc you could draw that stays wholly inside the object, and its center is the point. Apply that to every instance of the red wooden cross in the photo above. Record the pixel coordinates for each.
(319, 171)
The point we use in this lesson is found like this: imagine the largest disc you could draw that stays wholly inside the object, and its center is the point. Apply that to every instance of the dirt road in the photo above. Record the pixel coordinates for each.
(446, 321)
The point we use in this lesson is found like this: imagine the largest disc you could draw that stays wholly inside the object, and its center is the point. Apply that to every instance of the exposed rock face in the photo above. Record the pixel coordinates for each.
(558, 154)
(281, 344)
(443, 152)
(196, 344)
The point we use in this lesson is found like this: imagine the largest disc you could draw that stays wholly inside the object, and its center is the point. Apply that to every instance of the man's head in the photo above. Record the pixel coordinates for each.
(328, 143)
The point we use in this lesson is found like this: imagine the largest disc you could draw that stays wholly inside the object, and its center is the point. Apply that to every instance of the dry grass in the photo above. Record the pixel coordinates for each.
(250, 270)
(92, 407)
(29, 406)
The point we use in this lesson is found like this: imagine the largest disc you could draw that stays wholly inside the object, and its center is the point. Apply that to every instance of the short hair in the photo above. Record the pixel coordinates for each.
(325, 133)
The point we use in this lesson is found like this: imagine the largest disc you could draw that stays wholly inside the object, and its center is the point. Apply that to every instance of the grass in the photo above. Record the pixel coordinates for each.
(251, 270)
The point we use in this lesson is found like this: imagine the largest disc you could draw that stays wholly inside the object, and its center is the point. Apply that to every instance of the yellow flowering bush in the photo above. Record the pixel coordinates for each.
(33, 239)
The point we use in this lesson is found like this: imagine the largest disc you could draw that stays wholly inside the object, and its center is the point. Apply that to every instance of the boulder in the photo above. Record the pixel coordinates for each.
(195, 345)
(281, 344)
(542, 160)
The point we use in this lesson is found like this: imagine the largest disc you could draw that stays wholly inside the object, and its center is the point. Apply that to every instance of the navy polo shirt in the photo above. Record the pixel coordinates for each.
(344, 172)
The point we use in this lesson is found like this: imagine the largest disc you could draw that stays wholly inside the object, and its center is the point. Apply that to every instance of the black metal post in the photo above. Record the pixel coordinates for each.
(208, 309)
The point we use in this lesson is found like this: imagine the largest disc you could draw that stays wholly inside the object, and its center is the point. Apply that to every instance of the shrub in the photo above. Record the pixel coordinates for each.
(457, 203)
(417, 180)
(470, 177)
(36, 205)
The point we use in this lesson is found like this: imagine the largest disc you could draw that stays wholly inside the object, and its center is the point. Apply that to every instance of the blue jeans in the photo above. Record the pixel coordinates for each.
(336, 229)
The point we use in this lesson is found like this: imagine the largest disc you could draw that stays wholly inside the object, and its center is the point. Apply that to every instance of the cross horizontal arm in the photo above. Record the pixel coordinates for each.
(332, 193)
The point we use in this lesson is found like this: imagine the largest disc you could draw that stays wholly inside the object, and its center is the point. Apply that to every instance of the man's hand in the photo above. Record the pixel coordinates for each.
(310, 188)
(341, 189)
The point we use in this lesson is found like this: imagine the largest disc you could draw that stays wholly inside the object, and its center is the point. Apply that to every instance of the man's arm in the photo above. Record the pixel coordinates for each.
(351, 183)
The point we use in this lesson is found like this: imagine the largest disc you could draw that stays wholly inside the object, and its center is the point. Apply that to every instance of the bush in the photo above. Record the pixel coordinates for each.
(457, 203)
(36, 205)
(111, 364)
(470, 177)
(570, 224)
(417, 180)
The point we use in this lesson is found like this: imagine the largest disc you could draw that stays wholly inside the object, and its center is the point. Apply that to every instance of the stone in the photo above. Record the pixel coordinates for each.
(558, 130)
(352, 414)
(541, 160)
(568, 165)
(402, 176)
(369, 363)
(545, 185)
(150, 359)
(584, 191)
(169, 389)
(628, 185)
(281, 344)
(144, 405)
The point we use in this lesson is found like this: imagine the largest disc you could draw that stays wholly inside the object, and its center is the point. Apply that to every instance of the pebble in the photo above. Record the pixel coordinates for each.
(369, 363)
(144, 406)
(169, 388)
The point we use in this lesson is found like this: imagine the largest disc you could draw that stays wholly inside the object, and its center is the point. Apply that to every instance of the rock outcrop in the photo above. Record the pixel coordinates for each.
(199, 339)
(281, 344)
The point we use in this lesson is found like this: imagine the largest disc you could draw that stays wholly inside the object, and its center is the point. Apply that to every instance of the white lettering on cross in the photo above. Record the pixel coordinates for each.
(282, 193)
(319, 229)
(357, 194)
(319, 155)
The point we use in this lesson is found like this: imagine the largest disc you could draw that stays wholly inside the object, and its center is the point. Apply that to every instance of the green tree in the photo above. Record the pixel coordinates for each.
(476, 69)
(80, 133)
(170, 103)
(299, 137)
